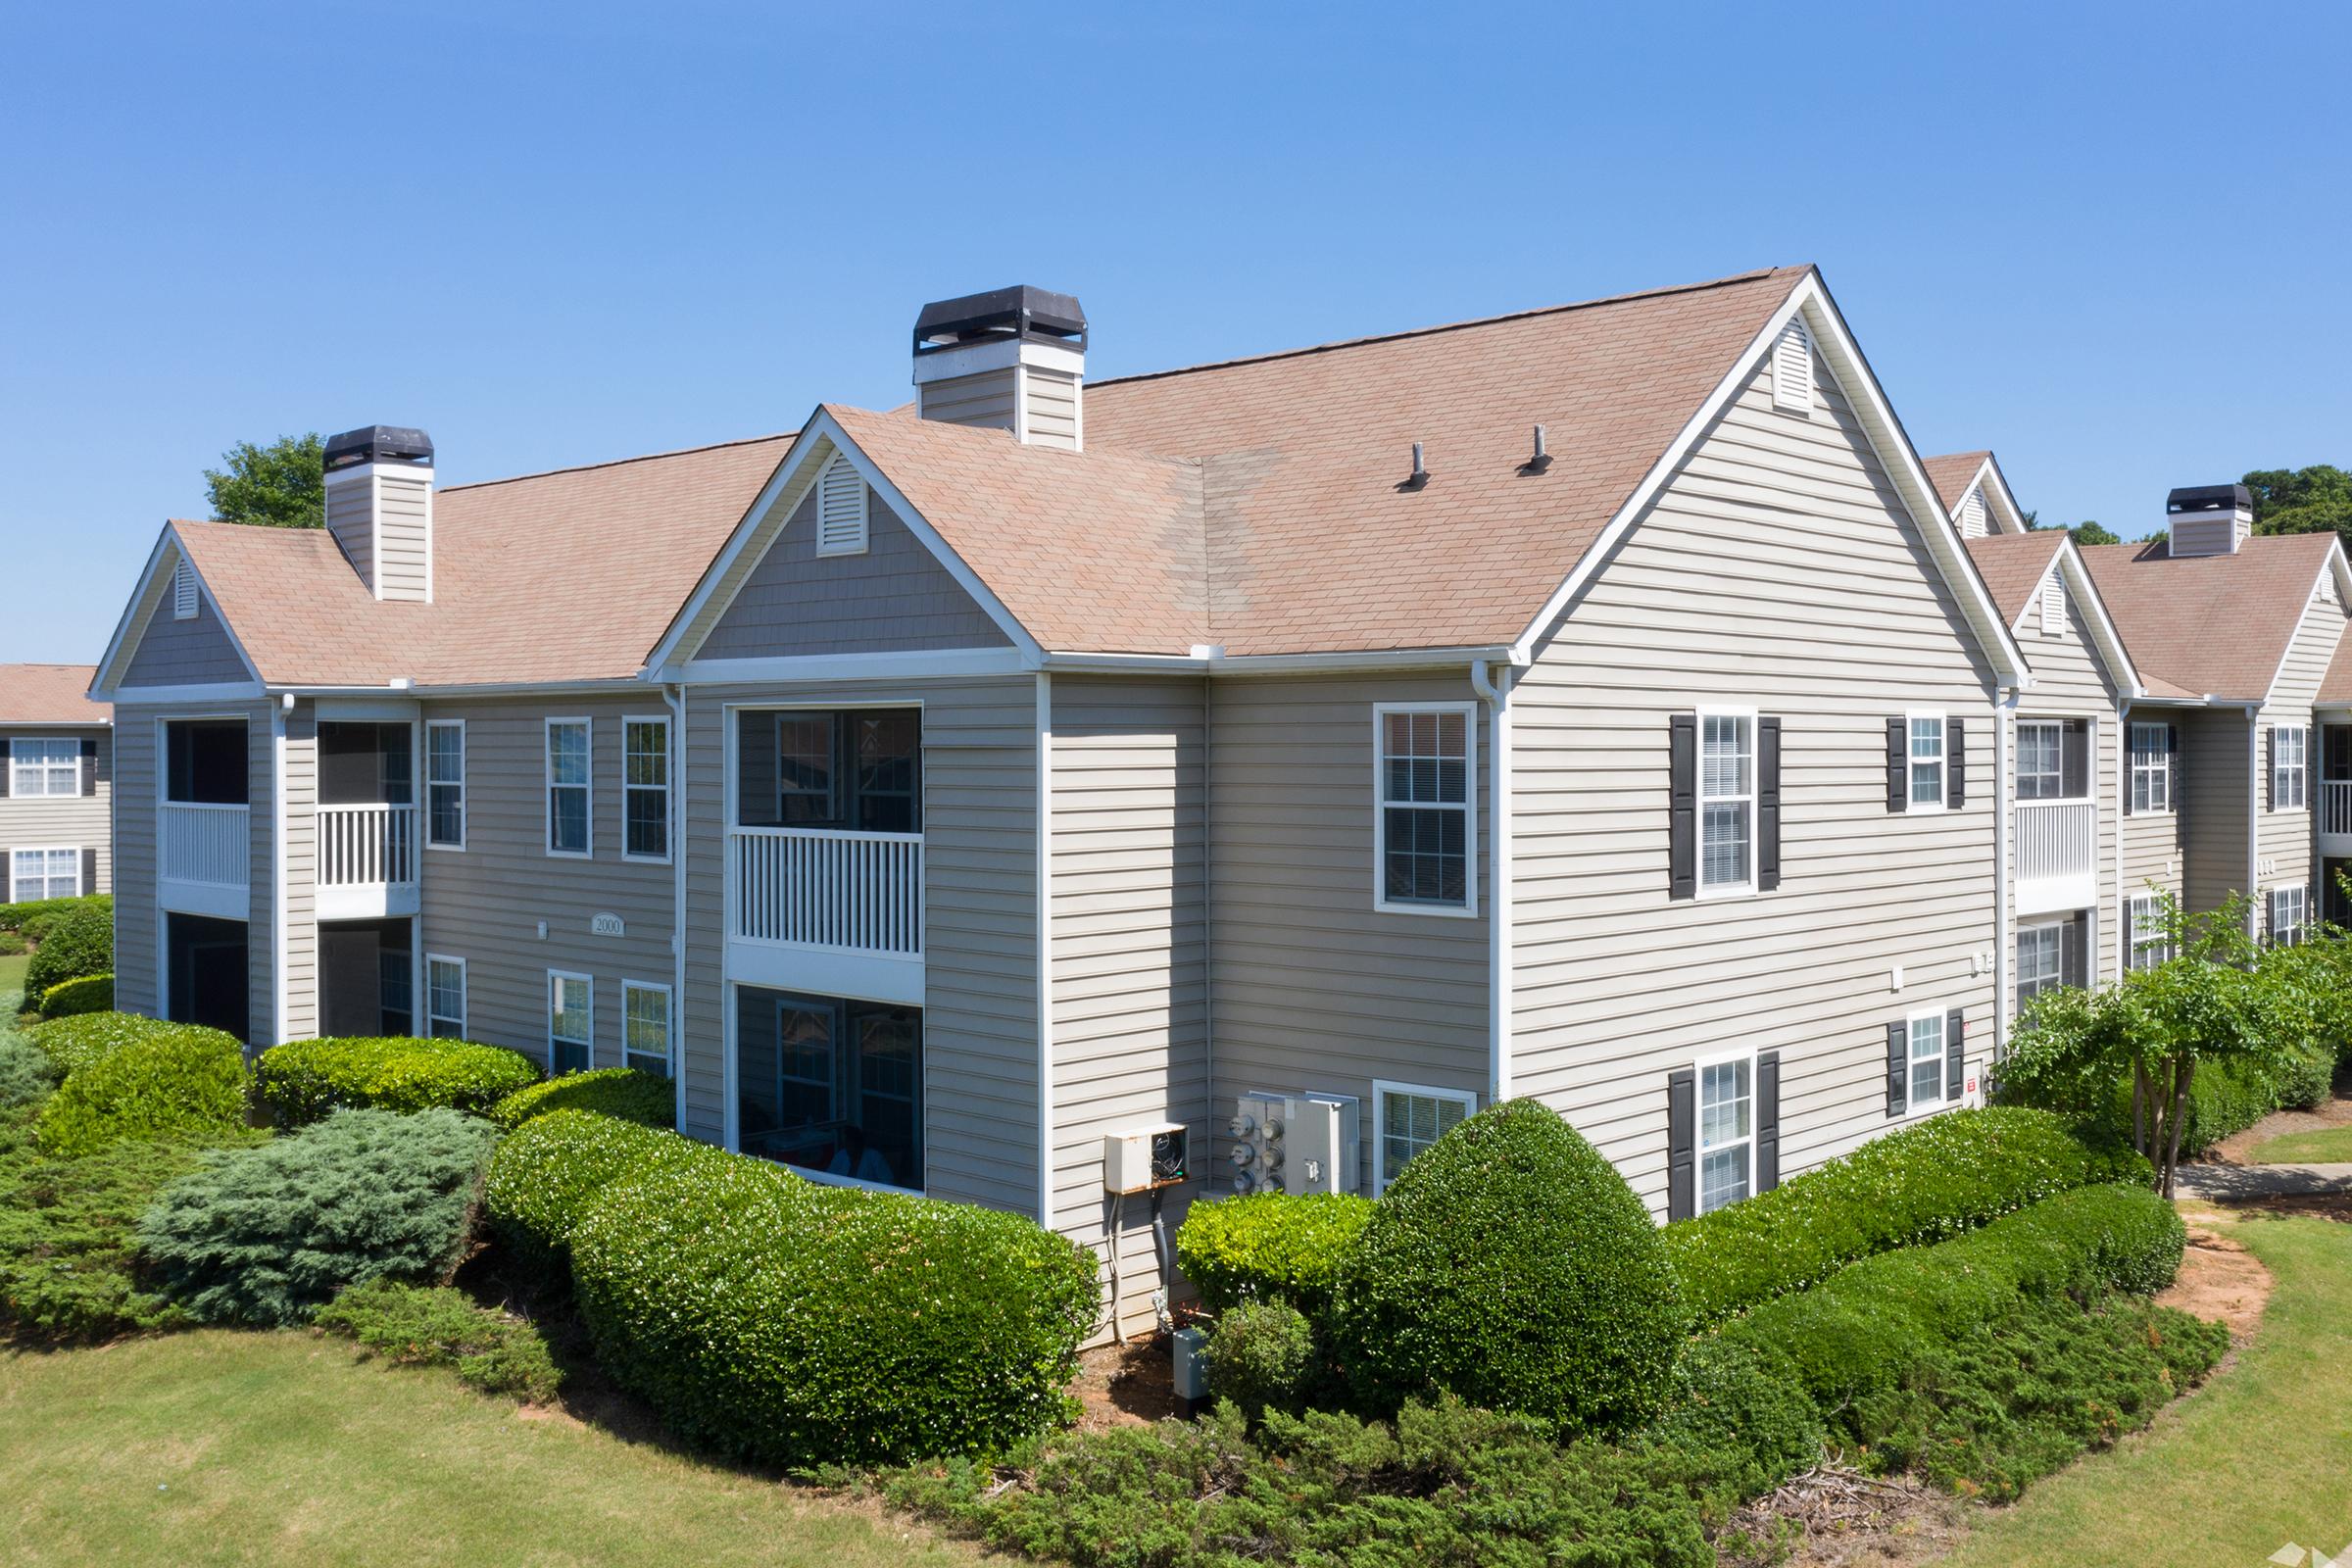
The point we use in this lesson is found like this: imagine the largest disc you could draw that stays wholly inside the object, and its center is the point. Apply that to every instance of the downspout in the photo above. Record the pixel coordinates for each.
(1497, 699)
(277, 865)
(2004, 857)
(1045, 957)
(673, 697)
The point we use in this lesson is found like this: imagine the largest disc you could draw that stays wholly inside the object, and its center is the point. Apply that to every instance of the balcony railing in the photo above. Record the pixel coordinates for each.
(204, 842)
(366, 845)
(816, 888)
(2335, 806)
(2057, 854)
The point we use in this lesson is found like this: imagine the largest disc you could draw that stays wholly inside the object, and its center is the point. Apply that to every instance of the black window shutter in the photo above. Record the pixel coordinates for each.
(2078, 964)
(5, 769)
(1899, 763)
(1898, 1062)
(7, 862)
(2073, 759)
(90, 767)
(1682, 812)
(2174, 777)
(89, 870)
(1768, 803)
(1955, 1053)
(1681, 1144)
(1955, 763)
(1768, 1121)
(2270, 769)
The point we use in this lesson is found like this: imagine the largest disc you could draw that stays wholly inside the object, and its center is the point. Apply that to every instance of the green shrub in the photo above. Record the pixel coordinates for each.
(1268, 1245)
(2306, 1079)
(269, 1235)
(1928, 1182)
(92, 992)
(303, 1080)
(1741, 1405)
(546, 1171)
(27, 1077)
(1510, 1264)
(79, 942)
(76, 1042)
(622, 1092)
(189, 1082)
(34, 917)
(432, 1325)
(1263, 1355)
(11, 944)
(793, 1323)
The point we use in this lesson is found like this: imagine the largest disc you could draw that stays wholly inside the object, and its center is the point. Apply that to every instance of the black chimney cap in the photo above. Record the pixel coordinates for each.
(2210, 498)
(1035, 313)
(379, 443)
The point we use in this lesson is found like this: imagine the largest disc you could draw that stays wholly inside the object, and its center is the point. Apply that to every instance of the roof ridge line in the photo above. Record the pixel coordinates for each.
(615, 463)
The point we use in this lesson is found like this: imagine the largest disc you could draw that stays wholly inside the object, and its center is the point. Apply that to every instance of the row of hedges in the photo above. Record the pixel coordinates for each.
(72, 997)
(75, 943)
(34, 918)
(303, 1080)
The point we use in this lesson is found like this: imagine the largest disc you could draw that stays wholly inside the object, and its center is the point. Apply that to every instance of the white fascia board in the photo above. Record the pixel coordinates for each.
(509, 688)
(146, 592)
(1996, 487)
(891, 666)
(2104, 635)
(2335, 564)
(231, 691)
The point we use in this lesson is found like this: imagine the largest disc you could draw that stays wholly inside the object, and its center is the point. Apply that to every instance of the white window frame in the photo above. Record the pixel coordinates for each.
(587, 788)
(430, 784)
(1701, 887)
(856, 527)
(2297, 774)
(2035, 928)
(586, 1044)
(432, 1018)
(2290, 934)
(1698, 1125)
(669, 831)
(44, 769)
(2056, 726)
(1913, 761)
(2142, 912)
(2158, 774)
(16, 880)
(670, 1023)
(1468, 807)
(1913, 1106)
(1382, 1090)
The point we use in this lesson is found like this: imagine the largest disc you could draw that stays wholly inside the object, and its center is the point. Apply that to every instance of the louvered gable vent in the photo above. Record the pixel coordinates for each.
(183, 592)
(1972, 516)
(1792, 370)
(839, 510)
(2053, 606)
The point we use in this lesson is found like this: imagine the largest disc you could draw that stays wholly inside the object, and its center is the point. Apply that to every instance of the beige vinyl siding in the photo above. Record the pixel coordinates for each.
(52, 821)
(2286, 846)
(404, 535)
(351, 518)
(1052, 408)
(138, 932)
(260, 876)
(2070, 681)
(2153, 843)
(980, 1024)
(2216, 751)
(301, 807)
(1776, 570)
(984, 398)
(1313, 988)
(195, 652)
(894, 595)
(484, 902)
(1129, 815)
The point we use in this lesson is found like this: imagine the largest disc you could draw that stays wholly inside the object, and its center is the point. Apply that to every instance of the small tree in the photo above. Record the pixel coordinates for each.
(283, 485)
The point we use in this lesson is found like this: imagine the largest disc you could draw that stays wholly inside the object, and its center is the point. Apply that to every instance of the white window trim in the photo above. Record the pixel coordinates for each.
(2133, 767)
(1467, 909)
(1912, 804)
(19, 768)
(2302, 926)
(669, 825)
(1698, 793)
(2301, 772)
(1698, 1116)
(2018, 768)
(670, 1014)
(44, 850)
(464, 993)
(1382, 1089)
(2138, 920)
(2017, 938)
(1912, 1106)
(547, 799)
(426, 764)
(589, 1043)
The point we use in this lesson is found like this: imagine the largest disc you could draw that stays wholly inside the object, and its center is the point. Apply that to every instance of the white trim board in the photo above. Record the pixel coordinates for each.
(155, 583)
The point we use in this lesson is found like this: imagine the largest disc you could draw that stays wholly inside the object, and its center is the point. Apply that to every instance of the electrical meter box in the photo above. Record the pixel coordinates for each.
(1322, 1143)
(1141, 1158)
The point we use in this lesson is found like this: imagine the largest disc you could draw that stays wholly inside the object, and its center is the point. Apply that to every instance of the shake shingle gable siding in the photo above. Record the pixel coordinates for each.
(194, 652)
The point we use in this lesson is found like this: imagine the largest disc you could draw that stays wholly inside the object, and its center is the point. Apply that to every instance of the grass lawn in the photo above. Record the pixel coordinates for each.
(12, 984)
(248, 1448)
(2323, 1146)
(2260, 1457)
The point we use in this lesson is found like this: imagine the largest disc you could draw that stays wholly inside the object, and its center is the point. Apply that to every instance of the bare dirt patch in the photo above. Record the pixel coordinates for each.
(2220, 1280)
(1126, 1385)
(1836, 1517)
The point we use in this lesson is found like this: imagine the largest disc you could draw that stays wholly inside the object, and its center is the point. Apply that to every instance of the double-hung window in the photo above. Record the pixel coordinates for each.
(570, 1022)
(645, 1027)
(444, 997)
(1926, 1061)
(1727, 1132)
(2147, 941)
(1426, 825)
(2040, 962)
(1411, 1118)
(44, 874)
(2290, 915)
(1926, 761)
(1727, 803)
(444, 783)
(645, 788)
(43, 765)
(568, 786)
(2151, 767)
(2289, 747)
(2041, 760)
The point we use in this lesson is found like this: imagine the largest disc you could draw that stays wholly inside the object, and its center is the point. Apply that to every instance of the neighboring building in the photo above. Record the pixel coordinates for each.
(57, 771)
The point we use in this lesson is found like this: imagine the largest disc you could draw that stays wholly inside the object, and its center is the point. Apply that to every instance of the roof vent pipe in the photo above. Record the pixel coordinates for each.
(1541, 460)
(1420, 474)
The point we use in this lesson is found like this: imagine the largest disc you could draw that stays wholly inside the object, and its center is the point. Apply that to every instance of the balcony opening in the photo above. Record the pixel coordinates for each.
(826, 849)
(366, 806)
(2057, 819)
(205, 976)
(366, 978)
(853, 772)
(830, 1085)
(2336, 781)
(204, 762)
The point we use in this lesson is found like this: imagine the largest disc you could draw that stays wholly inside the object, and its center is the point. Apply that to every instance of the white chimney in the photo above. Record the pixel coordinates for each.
(379, 507)
(1012, 358)
(2209, 520)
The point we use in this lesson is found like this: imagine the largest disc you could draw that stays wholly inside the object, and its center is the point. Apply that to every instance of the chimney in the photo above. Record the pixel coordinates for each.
(1012, 358)
(2209, 520)
(379, 507)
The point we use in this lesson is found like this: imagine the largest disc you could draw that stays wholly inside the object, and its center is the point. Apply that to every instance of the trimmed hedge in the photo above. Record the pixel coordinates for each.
(1510, 1264)
(622, 1092)
(1269, 1246)
(1925, 1183)
(792, 1323)
(1263, 1355)
(71, 998)
(303, 1080)
(76, 1042)
(546, 1171)
(188, 1082)
(80, 942)
(1740, 1403)
(34, 917)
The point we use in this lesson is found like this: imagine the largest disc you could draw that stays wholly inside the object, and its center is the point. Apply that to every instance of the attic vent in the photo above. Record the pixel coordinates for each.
(183, 592)
(1972, 516)
(839, 510)
(2053, 606)
(1792, 370)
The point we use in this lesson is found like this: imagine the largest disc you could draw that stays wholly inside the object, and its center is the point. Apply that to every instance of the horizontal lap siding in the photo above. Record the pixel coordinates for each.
(2286, 843)
(2217, 747)
(404, 535)
(136, 921)
(301, 860)
(2071, 682)
(1779, 571)
(63, 822)
(261, 859)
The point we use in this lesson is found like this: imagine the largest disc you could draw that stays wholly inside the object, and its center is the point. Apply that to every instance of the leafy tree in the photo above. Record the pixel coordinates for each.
(282, 485)
(2083, 533)
(2311, 500)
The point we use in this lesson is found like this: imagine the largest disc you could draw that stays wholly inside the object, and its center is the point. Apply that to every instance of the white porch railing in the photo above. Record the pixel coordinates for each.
(817, 888)
(364, 846)
(2057, 854)
(2335, 806)
(201, 842)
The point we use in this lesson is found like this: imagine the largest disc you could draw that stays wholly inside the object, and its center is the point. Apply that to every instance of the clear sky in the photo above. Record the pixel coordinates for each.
(2111, 243)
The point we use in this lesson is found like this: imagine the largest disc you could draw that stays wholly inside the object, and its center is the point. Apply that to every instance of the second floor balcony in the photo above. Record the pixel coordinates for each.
(203, 822)
(365, 826)
(2054, 847)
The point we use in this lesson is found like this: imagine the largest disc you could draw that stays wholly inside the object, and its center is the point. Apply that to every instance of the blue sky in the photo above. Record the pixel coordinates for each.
(2110, 243)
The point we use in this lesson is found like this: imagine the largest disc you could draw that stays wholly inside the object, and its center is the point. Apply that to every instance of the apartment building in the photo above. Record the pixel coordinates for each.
(57, 786)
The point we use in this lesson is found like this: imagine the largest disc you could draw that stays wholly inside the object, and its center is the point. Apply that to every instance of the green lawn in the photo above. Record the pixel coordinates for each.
(12, 984)
(2323, 1146)
(2261, 1457)
(251, 1447)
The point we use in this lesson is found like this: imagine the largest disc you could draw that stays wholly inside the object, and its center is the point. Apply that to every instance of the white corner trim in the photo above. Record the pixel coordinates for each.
(1500, 957)
(1045, 951)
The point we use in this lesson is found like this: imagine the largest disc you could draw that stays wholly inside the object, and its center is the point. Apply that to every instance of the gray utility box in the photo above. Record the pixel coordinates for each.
(1322, 1143)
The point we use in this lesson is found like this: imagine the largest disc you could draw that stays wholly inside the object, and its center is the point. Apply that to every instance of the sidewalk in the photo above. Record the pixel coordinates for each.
(2223, 1183)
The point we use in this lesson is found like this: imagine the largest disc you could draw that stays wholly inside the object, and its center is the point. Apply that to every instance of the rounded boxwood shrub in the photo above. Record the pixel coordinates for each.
(76, 1042)
(1269, 1245)
(80, 943)
(92, 992)
(622, 1092)
(269, 1235)
(790, 1323)
(546, 1171)
(184, 1082)
(1510, 1264)
(1263, 1355)
(303, 1080)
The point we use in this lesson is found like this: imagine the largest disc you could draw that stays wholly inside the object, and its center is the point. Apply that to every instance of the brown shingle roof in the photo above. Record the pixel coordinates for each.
(2208, 625)
(2336, 687)
(2013, 566)
(49, 693)
(1952, 472)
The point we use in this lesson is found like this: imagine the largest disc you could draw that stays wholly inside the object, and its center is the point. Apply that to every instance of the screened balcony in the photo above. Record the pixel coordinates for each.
(204, 832)
(2055, 847)
(366, 821)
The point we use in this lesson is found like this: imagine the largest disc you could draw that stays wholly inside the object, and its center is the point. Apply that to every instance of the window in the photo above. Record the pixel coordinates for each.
(839, 510)
(1423, 788)
(831, 1085)
(1792, 370)
(567, 805)
(2290, 915)
(1411, 1118)
(1926, 761)
(44, 874)
(2151, 767)
(2146, 942)
(2040, 963)
(645, 789)
(2041, 760)
(40, 765)
(444, 783)
(2289, 746)
(645, 1027)
(858, 772)
(1727, 1132)
(1926, 1061)
(444, 997)
(205, 762)
(570, 1022)
(1727, 803)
